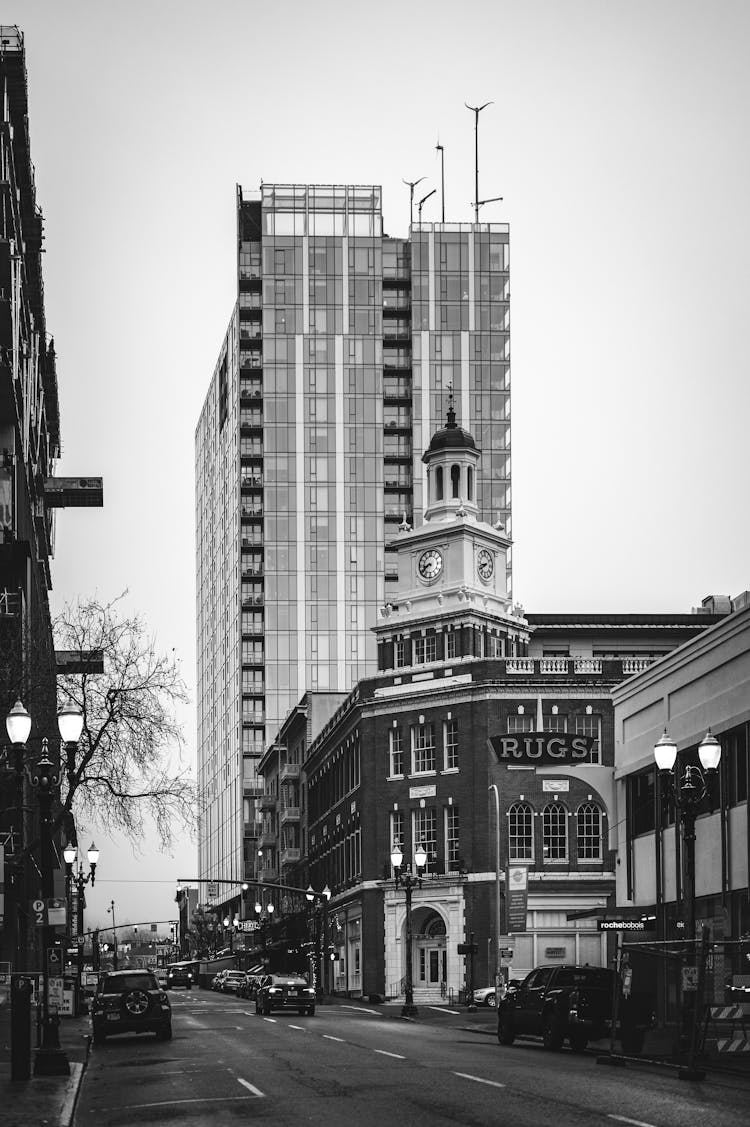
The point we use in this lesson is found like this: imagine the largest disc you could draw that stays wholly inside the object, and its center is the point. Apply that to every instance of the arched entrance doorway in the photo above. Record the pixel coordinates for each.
(430, 950)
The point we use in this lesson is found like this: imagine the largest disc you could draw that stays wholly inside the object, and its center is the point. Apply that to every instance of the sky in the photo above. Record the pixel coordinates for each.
(617, 137)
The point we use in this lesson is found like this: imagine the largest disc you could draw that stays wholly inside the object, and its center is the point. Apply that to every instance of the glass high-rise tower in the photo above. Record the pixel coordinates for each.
(342, 352)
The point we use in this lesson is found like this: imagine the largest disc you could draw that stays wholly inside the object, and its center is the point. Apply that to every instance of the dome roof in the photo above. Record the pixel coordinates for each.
(450, 437)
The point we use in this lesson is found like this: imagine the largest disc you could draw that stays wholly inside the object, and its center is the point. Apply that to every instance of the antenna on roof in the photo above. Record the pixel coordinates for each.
(476, 110)
(411, 185)
(442, 178)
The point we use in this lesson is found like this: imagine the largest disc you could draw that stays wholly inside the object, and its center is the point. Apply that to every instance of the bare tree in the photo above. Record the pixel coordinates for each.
(128, 764)
(202, 931)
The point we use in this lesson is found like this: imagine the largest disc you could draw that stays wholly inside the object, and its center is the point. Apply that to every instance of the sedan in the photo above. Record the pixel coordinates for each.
(485, 996)
(232, 981)
(285, 992)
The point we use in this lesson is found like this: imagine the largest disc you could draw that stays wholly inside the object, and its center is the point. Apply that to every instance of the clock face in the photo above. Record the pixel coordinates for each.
(485, 564)
(430, 564)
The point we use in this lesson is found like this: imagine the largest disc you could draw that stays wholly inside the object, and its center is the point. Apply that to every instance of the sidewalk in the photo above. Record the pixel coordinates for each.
(48, 1099)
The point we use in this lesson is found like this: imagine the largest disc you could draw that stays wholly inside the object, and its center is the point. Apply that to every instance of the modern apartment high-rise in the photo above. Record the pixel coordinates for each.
(341, 353)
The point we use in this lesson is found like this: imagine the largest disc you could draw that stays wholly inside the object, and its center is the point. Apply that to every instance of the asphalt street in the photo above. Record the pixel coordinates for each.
(353, 1064)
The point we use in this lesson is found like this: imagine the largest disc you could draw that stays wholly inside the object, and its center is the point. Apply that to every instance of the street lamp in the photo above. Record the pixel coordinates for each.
(687, 792)
(111, 911)
(45, 778)
(408, 880)
(70, 853)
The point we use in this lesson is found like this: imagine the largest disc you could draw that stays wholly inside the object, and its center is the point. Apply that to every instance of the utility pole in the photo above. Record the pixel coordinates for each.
(476, 110)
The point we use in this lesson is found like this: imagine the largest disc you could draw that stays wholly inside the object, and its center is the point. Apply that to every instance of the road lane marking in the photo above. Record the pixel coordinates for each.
(300, 1027)
(442, 1010)
(385, 1053)
(361, 1010)
(250, 1087)
(479, 1079)
(329, 1037)
(635, 1122)
(271, 1019)
(174, 1103)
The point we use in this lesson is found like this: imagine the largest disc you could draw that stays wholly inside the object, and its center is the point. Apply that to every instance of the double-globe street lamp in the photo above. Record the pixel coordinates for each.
(408, 880)
(70, 855)
(319, 902)
(687, 791)
(44, 776)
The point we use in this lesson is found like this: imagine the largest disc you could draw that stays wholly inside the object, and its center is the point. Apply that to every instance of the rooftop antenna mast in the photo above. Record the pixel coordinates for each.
(476, 110)
(422, 202)
(441, 150)
(411, 185)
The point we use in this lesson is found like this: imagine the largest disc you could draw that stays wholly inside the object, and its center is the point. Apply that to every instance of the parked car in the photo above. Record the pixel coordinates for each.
(232, 981)
(130, 1001)
(485, 995)
(284, 992)
(573, 1003)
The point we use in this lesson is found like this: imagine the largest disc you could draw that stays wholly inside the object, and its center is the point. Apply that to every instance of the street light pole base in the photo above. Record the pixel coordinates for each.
(409, 1010)
(51, 1062)
(690, 1072)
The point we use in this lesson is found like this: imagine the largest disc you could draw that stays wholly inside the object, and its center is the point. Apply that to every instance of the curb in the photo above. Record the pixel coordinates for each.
(77, 1070)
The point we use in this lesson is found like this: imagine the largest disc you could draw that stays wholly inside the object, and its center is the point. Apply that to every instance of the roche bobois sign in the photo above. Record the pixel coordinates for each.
(542, 747)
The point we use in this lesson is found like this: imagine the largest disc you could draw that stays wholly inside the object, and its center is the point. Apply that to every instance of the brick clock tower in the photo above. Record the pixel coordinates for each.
(452, 570)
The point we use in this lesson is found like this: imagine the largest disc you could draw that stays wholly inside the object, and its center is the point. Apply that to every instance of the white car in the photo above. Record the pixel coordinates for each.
(485, 996)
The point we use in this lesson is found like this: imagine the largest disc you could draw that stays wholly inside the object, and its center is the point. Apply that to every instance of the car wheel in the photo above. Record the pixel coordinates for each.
(552, 1035)
(578, 1041)
(506, 1034)
(490, 1001)
(136, 1002)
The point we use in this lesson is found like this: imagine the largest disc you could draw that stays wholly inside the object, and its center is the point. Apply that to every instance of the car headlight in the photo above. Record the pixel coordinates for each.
(273, 990)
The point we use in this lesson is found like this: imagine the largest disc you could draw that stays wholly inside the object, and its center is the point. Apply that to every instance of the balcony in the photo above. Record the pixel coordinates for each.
(268, 801)
(267, 839)
(288, 771)
(268, 873)
(289, 814)
(290, 855)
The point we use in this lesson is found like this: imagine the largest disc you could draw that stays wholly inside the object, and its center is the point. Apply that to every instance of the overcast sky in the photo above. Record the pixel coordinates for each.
(618, 139)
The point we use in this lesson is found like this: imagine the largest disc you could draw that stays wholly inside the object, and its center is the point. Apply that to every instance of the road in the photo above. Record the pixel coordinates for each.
(352, 1064)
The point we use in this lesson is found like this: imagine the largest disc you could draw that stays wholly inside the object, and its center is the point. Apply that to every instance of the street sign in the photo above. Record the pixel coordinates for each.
(506, 952)
(55, 996)
(626, 925)
(468, 948)
(37, 911)
(56, 913)
(689, 979)
(54, 961)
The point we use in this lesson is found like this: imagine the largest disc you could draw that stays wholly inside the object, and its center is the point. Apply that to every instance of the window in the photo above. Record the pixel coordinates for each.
(425, 649)
(396, 830)
(734, 761)
(425, 832)
(520, 724)
(520, 832)
(455, 477)
(450, 743)
(439, 483)
(589, 832)
(422, 748)
(555, 832)
(400, 649)
(450, 644)
(556, 723)
(590, 726)
(641, 803)
(396, 751)
(451, 838)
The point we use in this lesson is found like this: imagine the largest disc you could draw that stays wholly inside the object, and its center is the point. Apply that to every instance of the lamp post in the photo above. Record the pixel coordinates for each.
(319, 901)
(687, 791)
(493, 787)
(45, 778)
(408, 880)
(111, 911)
(70, 854)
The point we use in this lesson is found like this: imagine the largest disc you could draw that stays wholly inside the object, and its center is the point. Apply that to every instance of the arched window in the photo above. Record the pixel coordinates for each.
(469, 484)
(520, 832)
(555, 832)
(589, 826)
(439, 483)
(455, 479)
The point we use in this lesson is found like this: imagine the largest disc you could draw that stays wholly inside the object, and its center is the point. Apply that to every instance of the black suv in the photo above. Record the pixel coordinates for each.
(130, 1001)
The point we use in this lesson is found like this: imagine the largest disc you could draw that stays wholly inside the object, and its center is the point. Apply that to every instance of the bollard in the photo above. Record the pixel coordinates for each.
(20, 1028)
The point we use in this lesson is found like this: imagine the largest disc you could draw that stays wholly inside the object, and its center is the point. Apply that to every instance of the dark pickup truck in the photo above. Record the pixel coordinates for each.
(573, 1003)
